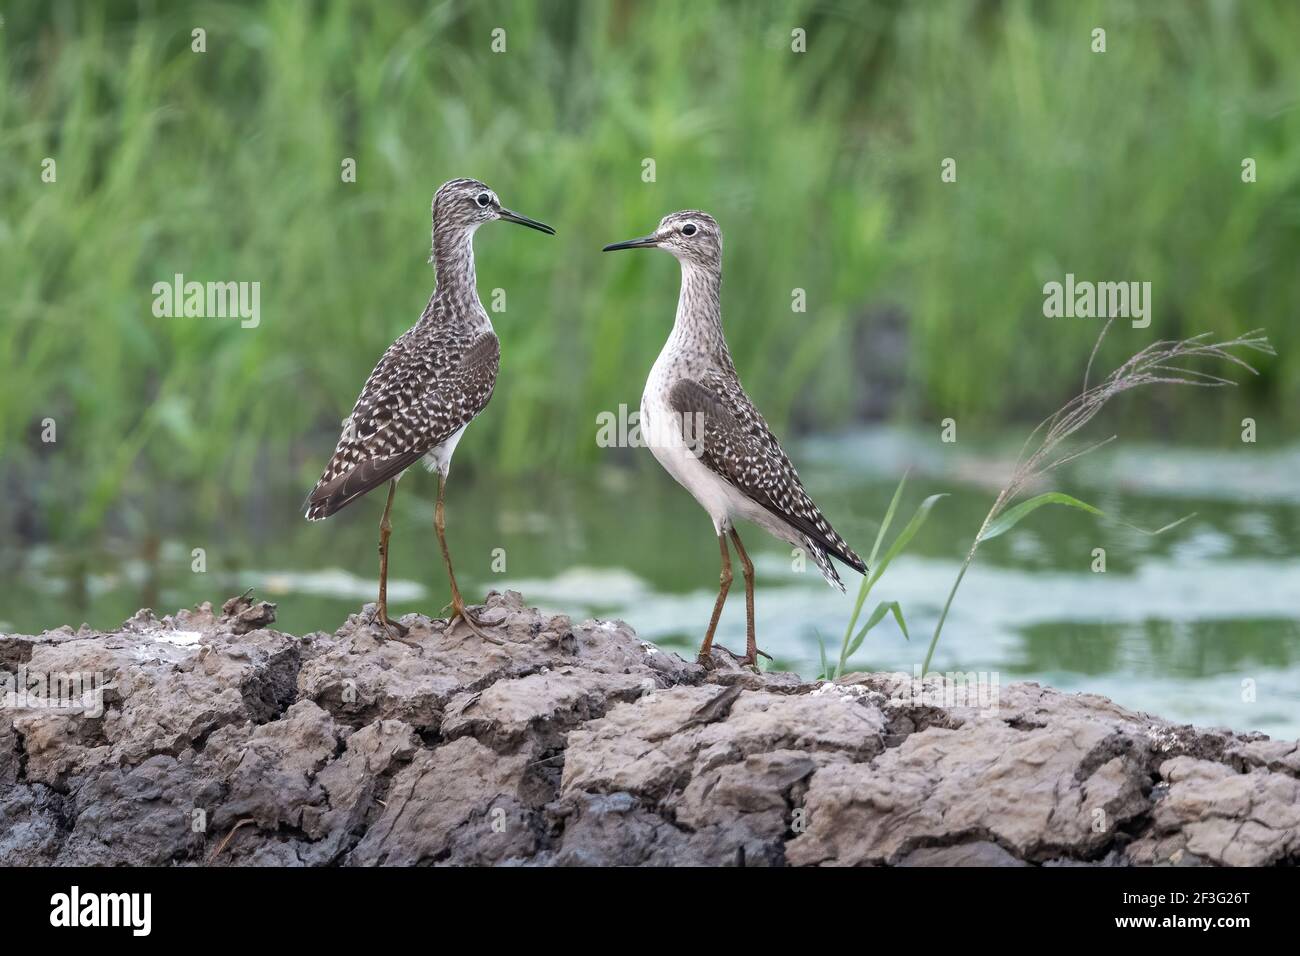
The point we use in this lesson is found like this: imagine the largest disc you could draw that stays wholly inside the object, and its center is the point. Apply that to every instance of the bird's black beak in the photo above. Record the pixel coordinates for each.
(509, 216)
(645, 242)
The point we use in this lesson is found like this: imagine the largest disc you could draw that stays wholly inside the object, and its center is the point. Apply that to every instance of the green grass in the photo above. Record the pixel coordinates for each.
(877, 564)
(823, 169)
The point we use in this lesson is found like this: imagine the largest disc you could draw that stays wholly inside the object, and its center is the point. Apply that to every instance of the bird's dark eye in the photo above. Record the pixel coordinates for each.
(483, 199)
(688, 229)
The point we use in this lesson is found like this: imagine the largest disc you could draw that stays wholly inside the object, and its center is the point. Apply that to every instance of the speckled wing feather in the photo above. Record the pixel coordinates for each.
(424, 389)
(732, 440)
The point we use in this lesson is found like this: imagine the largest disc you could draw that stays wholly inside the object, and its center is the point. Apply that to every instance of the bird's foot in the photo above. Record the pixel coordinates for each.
(379, 615)
(708, 661)
(391, 629)
(459, 612)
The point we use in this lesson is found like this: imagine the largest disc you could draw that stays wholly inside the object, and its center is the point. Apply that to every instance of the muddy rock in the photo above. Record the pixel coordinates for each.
(210, 738)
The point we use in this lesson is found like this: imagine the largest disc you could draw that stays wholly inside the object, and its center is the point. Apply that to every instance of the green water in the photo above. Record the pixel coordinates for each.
(1200, 625)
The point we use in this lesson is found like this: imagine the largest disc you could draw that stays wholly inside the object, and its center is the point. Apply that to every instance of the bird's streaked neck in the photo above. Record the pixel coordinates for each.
(699, 306)
(453, 264)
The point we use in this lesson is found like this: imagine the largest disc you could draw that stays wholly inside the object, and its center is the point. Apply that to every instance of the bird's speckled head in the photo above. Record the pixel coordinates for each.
(465, 204)
(691, 236)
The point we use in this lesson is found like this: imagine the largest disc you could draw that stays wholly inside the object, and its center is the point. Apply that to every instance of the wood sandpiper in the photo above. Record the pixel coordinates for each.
(430, 384)
(701, 426)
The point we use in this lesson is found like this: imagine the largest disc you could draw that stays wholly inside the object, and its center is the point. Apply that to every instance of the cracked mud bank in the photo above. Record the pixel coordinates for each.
(223, 741)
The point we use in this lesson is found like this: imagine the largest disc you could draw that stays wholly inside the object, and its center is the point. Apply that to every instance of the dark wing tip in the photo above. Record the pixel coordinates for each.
(850, 557)
(316, 510)
(336, 494)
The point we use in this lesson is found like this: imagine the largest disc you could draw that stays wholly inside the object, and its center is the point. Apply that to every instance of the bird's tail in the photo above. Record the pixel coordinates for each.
(822, 558)
(344, 482)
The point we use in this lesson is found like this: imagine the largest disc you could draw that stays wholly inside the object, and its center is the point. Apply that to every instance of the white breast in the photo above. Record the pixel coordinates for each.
(438, 458)
(661, 431)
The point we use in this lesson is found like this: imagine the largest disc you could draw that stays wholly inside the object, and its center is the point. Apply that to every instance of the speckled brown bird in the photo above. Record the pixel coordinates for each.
(701, 426)
(430, 384)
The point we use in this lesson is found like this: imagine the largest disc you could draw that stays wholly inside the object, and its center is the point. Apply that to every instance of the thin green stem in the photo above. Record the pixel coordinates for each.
(929, 653)
(870, 579)
(844, 648)
(970, 556)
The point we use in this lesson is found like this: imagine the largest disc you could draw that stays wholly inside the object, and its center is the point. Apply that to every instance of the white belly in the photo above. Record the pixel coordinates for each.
(438, 458)
(662, 433)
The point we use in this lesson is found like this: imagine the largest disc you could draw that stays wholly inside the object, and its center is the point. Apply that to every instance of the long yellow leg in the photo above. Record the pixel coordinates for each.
(724, 585)
(385, 530)
(458, 609)
(751, 645)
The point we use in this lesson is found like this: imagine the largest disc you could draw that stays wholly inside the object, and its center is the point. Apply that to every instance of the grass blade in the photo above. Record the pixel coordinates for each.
(1012, 516)
(897, 610)
(906, 535)
(883, 608)
(864, 587)
(889, 518)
